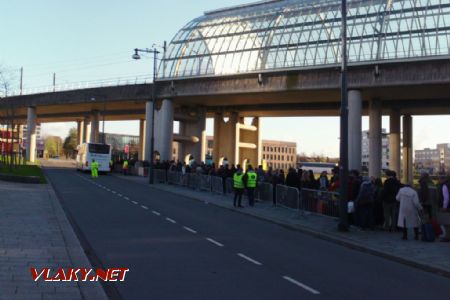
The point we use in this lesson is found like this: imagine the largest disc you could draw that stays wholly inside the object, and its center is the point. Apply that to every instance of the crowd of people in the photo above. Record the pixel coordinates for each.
(372, 203)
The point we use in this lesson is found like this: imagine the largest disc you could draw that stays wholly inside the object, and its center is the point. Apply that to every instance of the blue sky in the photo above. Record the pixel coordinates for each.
(91, 40)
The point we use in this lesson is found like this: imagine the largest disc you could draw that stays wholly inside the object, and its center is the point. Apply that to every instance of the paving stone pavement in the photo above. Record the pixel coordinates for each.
(433, 257)
(34, 232)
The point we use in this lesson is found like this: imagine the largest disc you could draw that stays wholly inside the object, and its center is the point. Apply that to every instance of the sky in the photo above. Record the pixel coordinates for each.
(92, 40)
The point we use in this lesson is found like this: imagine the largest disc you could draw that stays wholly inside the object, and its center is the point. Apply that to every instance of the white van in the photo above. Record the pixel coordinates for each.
(89, 151)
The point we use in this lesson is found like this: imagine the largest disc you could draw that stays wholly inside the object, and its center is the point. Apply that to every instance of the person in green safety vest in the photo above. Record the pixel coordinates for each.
(111, 165)
(94, 169)
(238, 185)
(125, 167)
(250, 180)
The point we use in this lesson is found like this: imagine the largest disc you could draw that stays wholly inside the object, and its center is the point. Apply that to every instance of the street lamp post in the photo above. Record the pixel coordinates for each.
(152, 138)
(343, 149)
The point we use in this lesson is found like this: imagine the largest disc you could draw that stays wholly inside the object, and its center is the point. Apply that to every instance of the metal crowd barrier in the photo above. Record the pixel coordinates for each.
(205, 183)
(287, 196)
(217, 184)
(264, 192)
(159, 176)
(321, 202)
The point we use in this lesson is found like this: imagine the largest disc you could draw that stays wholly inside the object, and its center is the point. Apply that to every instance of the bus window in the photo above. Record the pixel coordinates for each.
(99, 148)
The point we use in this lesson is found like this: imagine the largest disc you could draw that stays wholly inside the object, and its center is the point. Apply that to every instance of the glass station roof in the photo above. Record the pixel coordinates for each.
(301, 34)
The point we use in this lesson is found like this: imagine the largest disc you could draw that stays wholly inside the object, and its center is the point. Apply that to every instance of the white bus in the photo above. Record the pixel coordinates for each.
(89, 151)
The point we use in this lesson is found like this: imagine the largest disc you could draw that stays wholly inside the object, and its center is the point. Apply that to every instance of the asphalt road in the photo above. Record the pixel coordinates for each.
(178, 248)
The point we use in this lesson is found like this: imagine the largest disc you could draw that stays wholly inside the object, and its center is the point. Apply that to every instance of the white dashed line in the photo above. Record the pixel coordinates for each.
(156, 213)
(171, 220)
(144, 207)
(189, 229)
(114, 192)
(126, 198)
(249, 259)
(303, 286)
(134, 202)
(120, 195)
(214, 242)
(108, 190)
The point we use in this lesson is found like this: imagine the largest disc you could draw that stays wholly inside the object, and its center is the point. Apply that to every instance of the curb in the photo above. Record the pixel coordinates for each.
(324, 236)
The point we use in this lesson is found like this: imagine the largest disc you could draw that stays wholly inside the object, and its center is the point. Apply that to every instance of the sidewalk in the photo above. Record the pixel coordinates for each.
(34, 232)
(432, 257)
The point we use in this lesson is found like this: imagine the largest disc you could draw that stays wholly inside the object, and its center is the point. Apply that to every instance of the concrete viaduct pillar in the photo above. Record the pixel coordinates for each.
(80, 131)
(407, 175)
(95, 117)
(236, 141)
(31, 134)
(375, 138)
(164, 133)
(249, 141)
(142, 139)
(354, 129)
(148, 130)
(225, 139)
(192, 137)
(394, 141)
(86, 130)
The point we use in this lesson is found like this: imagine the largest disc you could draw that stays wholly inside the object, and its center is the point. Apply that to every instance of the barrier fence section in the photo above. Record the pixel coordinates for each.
(287, 196)
(159, 176)
(264, 192)
(321, 202)
(205, 183)
(217, 184)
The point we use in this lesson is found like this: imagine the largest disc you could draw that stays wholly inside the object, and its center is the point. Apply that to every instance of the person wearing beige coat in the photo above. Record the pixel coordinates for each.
(408, 215)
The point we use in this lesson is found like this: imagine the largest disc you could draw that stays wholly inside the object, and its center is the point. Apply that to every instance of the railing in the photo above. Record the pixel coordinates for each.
(119, 81)
(315, 201)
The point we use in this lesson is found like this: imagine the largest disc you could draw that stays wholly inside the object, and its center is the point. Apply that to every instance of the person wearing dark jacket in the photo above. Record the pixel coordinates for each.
(390, 189)
(292, 179)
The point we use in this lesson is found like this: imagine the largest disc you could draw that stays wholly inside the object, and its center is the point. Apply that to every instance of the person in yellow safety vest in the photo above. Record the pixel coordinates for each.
(125, 167)
(250, 179)
(111, 165)
(238, 184)
(94, 169)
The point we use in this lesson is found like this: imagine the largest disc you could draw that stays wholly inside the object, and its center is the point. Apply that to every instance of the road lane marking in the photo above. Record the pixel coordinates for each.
(171, 220)
(249, 259)
(108, 190)
(214, 242)
(126, 198)
(120, 195)
(303, 286)
(134, 202)
(114, 192)
(189, 229)
(156, 213)
(144, 207)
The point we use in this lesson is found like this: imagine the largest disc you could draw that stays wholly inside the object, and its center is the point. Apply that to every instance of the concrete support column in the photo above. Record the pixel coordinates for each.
(86, 130)
(194, 130)
(249, 140)
(164, 136)
(95, 117)
(31, 134)
(394, 141)
(80, 132)
(354, 130)
(375, 149)
(407, 174)
(142, 139)
(226, 138)
(148, 130)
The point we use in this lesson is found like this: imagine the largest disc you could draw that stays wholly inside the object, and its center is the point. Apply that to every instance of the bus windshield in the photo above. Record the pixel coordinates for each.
(99, 148)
